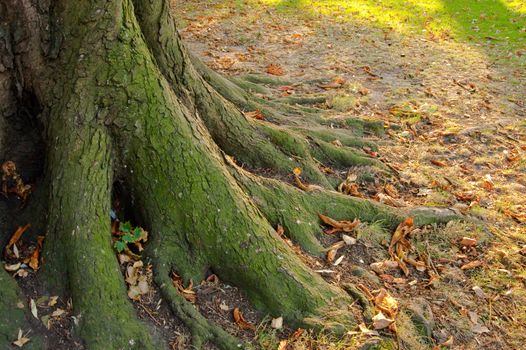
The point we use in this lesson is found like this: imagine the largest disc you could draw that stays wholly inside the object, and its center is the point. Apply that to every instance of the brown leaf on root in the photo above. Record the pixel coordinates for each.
(301, 185)
(187, 293)
(339, 226)
(257, 114)
(350, 189)
(241, 322)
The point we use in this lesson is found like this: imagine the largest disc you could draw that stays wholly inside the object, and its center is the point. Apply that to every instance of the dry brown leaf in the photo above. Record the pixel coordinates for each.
(11, 175)
(21, 339)
(281, 233)
(187, 292)
(275, 69)
(468, 242)
(519, 217)
(16, 236)
(12, 267)
(336, 83)
(467, 196)
(337, 143)
(257, 114)
(301, 185)
(391, 191)
(241, 322)
(439, 163)
(283, 344)
(331, 254)
(419, 265)
(339, 226)
(380, 321)
(471, 265)
(400, 234)
(213, 279)
(34, 261)
(388, 200)
(386, 303)
(297, 333)
(393, 280)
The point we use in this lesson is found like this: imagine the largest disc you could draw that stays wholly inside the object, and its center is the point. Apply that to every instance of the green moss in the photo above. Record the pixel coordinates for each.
(13, 309)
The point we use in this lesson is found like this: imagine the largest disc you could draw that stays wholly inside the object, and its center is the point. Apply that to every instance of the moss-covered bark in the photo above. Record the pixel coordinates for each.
(122, 100)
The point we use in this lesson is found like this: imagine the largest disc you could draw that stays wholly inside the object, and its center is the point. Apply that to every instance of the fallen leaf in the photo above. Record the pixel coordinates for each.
(33, 307)
(471, 265)
(364, 330)
(187, 293)
(241, 322)
(275, 69)
(393, 280)
(20, 189)
(13, 267)
(301, 185)
(257, 114)
(277, 323)
(213, 278)
(438, 163)
(386, 303)
(391, 191)
(297, 333)
(339, 226)
(58, 312)
(21, 340)
(382, 266)
(339, 260)
(387, 199)
(52, 301)
(467, 196)
(34, 261)
(223, 306)
(283, 344)
(380, 321)
(16, 236)
(468, 242)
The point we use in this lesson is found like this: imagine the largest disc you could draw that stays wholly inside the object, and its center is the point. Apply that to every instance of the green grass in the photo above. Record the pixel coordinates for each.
(491, 24)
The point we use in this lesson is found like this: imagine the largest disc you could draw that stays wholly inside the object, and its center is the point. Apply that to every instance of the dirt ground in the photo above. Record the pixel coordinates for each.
(455, 119)
(455, 135)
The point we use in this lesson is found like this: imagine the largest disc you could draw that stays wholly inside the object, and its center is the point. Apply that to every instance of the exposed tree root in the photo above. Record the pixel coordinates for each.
(131, 106)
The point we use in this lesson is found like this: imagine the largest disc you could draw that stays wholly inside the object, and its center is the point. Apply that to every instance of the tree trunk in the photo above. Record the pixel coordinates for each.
(122, 102)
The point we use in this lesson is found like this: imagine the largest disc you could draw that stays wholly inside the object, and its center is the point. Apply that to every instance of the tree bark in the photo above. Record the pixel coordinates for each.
(122, 101)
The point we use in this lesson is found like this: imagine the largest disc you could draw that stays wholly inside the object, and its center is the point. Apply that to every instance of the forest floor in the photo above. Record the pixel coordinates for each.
(453, 100)
(449, 86)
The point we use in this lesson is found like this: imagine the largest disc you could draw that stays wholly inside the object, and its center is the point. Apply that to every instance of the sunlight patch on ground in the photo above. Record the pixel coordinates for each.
(503, 23)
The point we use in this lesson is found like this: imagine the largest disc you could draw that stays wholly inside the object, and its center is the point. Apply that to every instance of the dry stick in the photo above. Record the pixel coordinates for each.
(150, 314)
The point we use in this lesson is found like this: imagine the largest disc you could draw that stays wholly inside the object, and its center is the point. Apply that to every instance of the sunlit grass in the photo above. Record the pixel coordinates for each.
(500, 24)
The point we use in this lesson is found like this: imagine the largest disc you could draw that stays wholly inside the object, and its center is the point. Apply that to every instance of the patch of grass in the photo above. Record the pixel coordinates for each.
(489, 24)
